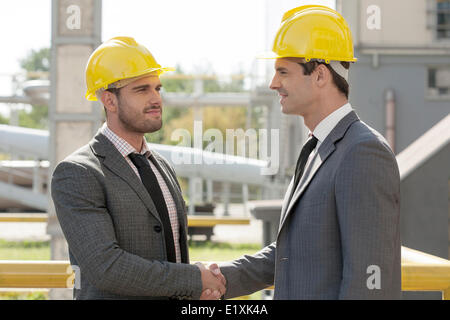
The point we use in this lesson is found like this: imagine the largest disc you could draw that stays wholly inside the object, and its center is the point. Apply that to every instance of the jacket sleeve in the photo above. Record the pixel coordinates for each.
(80, 205)
(367, 188)
(249, 274)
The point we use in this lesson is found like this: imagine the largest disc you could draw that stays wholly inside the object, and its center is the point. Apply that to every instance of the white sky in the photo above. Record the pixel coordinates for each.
(200, 35)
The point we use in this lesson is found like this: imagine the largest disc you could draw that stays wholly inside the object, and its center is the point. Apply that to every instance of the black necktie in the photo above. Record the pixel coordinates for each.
(301, 162)
(151, 184)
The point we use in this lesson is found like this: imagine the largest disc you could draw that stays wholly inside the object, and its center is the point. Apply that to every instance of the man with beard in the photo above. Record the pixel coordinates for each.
(118, 202)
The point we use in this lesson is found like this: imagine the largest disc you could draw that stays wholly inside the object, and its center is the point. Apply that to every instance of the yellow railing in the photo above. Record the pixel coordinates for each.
(193, 221)
(425, 272)
(23, 217)
(420, 272)
(36, 274)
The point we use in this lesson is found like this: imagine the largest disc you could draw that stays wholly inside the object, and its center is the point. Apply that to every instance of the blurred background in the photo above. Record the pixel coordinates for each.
(400, 86)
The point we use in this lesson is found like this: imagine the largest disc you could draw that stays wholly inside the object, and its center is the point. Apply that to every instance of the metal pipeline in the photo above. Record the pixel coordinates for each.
(390, 117)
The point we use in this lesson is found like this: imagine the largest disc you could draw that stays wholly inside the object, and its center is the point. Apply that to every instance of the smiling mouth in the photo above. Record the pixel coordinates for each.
(153, 111)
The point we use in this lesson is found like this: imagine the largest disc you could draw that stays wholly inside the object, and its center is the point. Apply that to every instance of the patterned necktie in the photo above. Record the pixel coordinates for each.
(301, 162)
(151, 184)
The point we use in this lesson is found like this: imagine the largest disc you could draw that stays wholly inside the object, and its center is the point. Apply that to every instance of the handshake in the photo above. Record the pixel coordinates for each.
(213, 282)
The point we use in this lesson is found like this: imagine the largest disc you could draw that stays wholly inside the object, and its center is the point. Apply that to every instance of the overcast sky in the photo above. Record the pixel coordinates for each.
(200, 35)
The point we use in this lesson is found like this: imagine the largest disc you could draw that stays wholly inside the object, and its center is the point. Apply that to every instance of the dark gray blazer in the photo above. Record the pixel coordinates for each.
(343, 220)
(113, 230)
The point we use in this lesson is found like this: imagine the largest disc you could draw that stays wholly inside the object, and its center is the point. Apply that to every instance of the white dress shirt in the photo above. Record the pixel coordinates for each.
(324, 128)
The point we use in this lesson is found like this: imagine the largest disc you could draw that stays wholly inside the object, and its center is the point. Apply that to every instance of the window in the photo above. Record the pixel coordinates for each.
(439, 82)
(443, 19)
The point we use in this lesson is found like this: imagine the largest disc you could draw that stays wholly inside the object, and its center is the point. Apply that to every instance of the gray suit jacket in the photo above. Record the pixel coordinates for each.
(113, 230)
(342, 223)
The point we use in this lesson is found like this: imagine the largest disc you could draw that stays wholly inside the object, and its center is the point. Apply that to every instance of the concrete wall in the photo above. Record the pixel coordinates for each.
(425, 211)
(411, 31)
(408, 76)
(403, 23)
(425, 206)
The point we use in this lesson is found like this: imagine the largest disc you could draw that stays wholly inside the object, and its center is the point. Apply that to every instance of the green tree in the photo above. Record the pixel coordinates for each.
(36, 118)
(213, 117)
(178, 82)
(35, 61)
(3, 120)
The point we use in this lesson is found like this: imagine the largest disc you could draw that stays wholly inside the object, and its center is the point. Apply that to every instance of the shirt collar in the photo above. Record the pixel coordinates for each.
(121, 144)
(325, 126)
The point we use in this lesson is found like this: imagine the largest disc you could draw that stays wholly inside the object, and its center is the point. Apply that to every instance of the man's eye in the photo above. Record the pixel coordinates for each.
(158, 89)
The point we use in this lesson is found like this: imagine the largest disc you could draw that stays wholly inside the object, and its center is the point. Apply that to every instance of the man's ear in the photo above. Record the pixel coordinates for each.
(110, 101)
(322, 75)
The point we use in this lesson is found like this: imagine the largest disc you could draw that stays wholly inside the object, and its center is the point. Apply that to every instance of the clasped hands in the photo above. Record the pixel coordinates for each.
(213, 282)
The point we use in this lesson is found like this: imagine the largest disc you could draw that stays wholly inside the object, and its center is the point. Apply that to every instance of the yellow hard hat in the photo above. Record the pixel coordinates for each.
(313, 32)
(116, 59)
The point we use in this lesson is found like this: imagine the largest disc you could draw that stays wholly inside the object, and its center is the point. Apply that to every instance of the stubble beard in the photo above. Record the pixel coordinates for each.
(135, 122)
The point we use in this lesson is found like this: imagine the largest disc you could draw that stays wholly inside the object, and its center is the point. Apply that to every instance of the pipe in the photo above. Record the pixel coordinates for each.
(390, 117)
(223, 167)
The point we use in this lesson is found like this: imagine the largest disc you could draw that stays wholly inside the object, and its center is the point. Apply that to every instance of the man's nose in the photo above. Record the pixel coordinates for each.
(274, 84)
(156, 99)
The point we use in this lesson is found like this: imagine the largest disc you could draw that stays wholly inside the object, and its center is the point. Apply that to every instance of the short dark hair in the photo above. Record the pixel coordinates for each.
(339, 82)
(116, 92)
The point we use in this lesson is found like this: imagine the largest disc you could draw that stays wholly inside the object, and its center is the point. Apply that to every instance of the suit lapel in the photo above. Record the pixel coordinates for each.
(325, 150)
(114, 161)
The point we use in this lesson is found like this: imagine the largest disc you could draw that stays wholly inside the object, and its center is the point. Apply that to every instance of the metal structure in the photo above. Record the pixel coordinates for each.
(35, 143)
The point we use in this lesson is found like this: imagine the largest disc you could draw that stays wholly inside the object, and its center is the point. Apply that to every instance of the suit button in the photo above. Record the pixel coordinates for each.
(157, 229)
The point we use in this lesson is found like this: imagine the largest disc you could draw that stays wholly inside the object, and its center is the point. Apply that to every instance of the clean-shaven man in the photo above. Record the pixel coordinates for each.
(339, 235)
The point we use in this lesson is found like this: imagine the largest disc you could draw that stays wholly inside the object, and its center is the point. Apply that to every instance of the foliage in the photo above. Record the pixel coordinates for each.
(168, 115)
(223, 245)
(26, 244)
(181, 84)
(36, 60)
(213, 117)
(24, 250)
(37, 295)
(37, 118)
(3, 120)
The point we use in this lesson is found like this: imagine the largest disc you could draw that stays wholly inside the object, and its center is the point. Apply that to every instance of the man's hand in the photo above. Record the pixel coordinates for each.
(213, 282)
(214, 268)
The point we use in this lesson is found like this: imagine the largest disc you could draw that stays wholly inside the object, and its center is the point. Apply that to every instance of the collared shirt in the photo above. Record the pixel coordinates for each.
(324, 128)
(125, 149)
